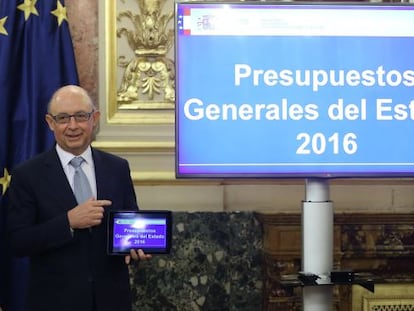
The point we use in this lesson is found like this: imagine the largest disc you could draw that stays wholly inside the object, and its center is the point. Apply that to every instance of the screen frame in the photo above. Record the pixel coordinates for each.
(319, 171)
(140, 214)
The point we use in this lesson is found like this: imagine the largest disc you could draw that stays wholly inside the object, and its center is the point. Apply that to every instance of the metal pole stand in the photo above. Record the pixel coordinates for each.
(317, 245)
(317, 277)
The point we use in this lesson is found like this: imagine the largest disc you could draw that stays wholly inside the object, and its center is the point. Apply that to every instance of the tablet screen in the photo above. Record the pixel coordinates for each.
(146, 230)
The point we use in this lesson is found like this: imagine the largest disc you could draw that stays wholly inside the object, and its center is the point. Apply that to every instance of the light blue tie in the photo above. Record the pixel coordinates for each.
(81, 186)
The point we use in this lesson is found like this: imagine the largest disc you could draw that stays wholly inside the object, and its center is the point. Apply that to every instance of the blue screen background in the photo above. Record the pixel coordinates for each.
(268, 148)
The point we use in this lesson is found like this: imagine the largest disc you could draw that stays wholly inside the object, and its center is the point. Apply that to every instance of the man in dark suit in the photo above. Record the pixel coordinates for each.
(64, 239)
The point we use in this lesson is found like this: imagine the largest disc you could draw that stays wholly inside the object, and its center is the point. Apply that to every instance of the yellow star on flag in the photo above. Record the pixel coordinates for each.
(28, 7)
(60, 12)
(3, 30)
(5, 181)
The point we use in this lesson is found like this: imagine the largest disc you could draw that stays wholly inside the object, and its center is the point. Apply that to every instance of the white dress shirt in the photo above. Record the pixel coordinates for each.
(87, 166)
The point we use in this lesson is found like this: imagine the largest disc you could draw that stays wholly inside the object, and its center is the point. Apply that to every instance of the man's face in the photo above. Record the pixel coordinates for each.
(72, 135)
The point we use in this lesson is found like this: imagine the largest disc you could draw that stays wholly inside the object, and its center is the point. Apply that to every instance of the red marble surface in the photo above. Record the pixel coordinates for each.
(83, 22)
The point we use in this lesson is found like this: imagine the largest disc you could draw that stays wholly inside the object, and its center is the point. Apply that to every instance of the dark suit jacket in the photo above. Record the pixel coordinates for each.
(67, 271)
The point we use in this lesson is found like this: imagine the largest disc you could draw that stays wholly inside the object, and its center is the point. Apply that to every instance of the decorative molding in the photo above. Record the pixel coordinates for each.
(395, 297)
(156, 74)
(149, 74)
(380, 245)
(134, 146)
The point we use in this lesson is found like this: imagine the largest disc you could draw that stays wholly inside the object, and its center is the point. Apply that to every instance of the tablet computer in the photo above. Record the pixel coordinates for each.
(148, 230)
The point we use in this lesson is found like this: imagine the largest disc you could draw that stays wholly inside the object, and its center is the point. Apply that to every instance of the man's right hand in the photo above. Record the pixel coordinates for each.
(87, 214)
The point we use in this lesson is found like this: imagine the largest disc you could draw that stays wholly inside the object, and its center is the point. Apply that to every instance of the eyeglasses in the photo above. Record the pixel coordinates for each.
(64, 118)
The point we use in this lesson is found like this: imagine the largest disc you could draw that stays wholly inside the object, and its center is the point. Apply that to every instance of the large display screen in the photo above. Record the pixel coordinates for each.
(294, 90)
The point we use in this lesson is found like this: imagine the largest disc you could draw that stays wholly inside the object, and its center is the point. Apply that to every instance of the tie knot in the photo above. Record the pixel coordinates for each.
(76, 162)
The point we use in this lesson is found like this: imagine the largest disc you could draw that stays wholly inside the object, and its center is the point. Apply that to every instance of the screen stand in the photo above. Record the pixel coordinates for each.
(317, 245)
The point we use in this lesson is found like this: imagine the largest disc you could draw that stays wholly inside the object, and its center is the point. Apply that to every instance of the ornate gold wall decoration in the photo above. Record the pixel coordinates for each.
(140, 77)
(150, 74)
(387, 297)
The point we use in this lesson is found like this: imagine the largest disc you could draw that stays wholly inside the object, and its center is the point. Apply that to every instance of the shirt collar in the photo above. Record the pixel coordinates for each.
(66, 157)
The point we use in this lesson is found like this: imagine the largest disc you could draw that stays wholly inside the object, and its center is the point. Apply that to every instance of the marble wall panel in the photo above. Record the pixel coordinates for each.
(215, 264)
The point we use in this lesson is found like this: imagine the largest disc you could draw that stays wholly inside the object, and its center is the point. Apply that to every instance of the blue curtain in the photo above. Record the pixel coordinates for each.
(36, 58)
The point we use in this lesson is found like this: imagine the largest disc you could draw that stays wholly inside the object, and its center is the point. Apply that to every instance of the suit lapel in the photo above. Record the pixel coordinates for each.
(101, 174)
(57, 181)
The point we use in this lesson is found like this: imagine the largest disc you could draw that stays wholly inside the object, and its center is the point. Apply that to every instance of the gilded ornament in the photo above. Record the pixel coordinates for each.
(149, 76)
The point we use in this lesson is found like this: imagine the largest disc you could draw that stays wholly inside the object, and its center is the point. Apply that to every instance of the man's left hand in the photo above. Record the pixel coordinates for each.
(137, 255)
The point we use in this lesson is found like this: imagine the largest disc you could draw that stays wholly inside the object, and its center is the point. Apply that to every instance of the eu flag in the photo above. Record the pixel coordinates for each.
(36, 58)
